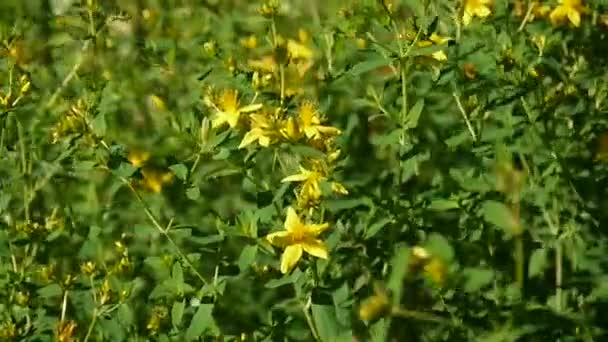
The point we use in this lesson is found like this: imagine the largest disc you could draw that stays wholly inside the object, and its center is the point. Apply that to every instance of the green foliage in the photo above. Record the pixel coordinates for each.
(368, 170)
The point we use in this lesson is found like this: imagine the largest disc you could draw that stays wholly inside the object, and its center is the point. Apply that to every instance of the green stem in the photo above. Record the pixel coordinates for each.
(558, 275)
(519, 261)
(309, 320)
(24, 169)
(164, 231)
(417, 315)
(91, 325)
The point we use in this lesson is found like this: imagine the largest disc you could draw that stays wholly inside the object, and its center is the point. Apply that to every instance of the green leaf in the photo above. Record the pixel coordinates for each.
(368, 65)
(376, 227)
(177, 313)
(50, 291)
(414, 114)
(438, 245)
(477, 278)
(391, 138)
(193, 193)
(98, 125)
(335, 205)
(443, 205)
(399, 267)
(290, 279)
(247, 257)
(538, 262)
(500, 215)
(180, 170)
(177, 273)
(325, 321)
(201, 322)
(378, 331)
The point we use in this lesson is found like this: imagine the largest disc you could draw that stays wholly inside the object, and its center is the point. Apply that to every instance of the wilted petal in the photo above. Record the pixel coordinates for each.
(290, 258)
(316, 248)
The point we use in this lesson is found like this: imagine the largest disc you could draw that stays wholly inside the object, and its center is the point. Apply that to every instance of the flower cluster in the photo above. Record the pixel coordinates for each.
(563, 12)
(287, 117)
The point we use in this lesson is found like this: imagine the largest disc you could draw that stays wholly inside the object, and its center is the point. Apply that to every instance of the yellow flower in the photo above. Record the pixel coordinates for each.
(290, 129)
(154, 179)
(338, 188)
(262, 129)
(376, 306)
(438, 40)
(228, 110)
(570, 10)
(436, 270)
(298, 238)
(476, 8)
(138, 158)
(311, 180)
(310, 122)
(298, 51)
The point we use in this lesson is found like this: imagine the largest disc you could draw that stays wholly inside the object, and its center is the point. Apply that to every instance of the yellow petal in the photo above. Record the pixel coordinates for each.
(316, 229)
(439, 55)
(466, 19)
(251, 108)
(316, 248)
(299, 177)
(280, 239)
(232, 119)
(574, 17)
(292, 221)
(264, 141)
(558, 14)
(248, 139)
(328, 130)
(290, 258)
(483, 11)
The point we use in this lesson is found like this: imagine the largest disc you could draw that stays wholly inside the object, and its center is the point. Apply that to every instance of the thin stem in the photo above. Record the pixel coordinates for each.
(404, 109)
(164, 231)
(311, 324)
(91, 325)
(69, 76)
(24, 169)
(64, 305)
(527, 16)
(519, 261)
(282, 75)
(558, 275)
(464, 116)
(417, 315)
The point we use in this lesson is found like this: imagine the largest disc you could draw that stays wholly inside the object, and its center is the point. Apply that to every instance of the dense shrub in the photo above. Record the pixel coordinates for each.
(303, 170)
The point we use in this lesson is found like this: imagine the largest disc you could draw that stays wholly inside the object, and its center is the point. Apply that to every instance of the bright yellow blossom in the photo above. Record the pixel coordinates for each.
(138, 158)
(476, 8)
(568, 10)
(438, 40)
(310, 190)
(298, 238)
(310, 123)
(155, 179)
(262, 129)
(228, 111)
